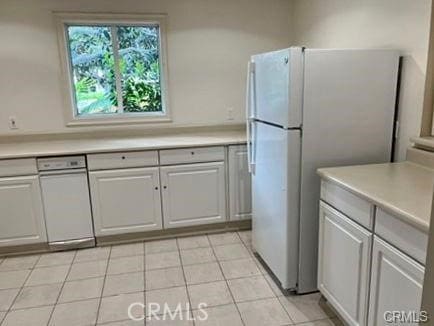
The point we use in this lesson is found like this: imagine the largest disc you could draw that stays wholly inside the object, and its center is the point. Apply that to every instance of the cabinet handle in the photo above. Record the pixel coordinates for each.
(123, 157)
(164, 187)
(192, 153)
(156, 188)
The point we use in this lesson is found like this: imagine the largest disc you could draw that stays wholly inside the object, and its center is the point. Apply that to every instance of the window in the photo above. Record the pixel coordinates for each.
(115, 68)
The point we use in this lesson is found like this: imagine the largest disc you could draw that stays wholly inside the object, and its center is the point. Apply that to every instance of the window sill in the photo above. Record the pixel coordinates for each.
(116, 121)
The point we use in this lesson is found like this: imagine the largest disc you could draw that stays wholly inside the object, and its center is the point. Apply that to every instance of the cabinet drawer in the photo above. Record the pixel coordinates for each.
(26, 166)
(122, 160)
(404, 236)
(344, 201)
(192, 155)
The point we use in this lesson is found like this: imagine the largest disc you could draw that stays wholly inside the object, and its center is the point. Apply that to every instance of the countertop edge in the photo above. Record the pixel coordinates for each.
(402, 215)
(118, 148)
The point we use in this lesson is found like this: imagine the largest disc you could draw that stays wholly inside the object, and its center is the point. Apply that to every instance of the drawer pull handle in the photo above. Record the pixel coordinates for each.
(156, 188)
(192, 153)
(123, 157)
(164, 187)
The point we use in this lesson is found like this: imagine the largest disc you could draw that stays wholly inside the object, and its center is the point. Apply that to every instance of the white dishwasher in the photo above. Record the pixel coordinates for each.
(65, 193)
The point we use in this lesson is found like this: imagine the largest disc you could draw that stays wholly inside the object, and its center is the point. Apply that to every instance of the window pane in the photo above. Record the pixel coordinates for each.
(140, 68)
(91, 53)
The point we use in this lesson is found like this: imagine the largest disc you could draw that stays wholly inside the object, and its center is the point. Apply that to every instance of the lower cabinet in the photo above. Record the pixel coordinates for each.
(344, 262)
(21, 211)
(396, 285)
(126, 201)
(193, 194)
(240, 184)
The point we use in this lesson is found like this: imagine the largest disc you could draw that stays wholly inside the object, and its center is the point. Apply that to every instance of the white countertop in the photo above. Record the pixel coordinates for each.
(402, 189)
(100, 145)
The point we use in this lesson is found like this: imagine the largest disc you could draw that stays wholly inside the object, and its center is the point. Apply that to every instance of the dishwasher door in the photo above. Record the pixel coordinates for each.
(68, 216)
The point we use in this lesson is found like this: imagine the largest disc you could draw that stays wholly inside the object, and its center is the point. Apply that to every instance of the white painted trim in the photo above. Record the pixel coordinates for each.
(71, 119)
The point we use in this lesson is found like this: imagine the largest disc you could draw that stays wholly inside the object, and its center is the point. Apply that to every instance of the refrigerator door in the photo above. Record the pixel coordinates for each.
(275, 190)
(278, 87)
(348, 117)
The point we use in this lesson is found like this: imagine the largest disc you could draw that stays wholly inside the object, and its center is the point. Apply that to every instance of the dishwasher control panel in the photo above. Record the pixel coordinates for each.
(61, 163)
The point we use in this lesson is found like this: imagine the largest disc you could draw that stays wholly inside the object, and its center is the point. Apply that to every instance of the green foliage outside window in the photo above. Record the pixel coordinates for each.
(101, 65)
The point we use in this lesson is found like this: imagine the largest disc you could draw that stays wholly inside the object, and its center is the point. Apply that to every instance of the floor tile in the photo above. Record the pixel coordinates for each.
(304, 308)
(87, 270)
(36, 296)
(324, 322)
(200, 241)
(34, 317)
(48, 275)
(178, 320)
(164, 278)
(251, 288)
(246, 236)
(56, 258)
(218, 316)
(13, 279)
(162, 260)
(171, 299)
(92, 254)
(276, 289)
(268, 312)
(18, 263)
(239, 268)
(82, 289)
(212, 294)
(231, 252)
(115, 308)
(130, 249)
(197, 256)
(123, 283)
(128, 322)
(126, 265)
(202, 273)
(157, 246)
(6, 298)
(79, 313)
(219, 239)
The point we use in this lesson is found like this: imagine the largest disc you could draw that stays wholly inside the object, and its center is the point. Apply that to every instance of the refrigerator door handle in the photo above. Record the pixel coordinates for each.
(248, 115)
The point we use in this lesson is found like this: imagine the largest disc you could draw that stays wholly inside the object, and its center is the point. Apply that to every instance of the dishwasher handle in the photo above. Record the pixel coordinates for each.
(62, 172)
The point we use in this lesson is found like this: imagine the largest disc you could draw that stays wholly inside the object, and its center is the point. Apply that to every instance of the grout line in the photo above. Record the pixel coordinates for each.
(103, 285)
(61, 288)
(228, 287)
(190, 311)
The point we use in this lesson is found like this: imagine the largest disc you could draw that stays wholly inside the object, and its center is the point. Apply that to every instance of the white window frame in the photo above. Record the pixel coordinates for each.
(71, 116)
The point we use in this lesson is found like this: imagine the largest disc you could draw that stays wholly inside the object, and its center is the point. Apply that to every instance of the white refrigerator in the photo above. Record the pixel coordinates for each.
(311, 108)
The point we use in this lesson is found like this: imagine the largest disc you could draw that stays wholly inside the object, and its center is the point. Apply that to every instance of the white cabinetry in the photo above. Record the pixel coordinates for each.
(344, 261)
(126, 201)
(21, 211)
(240, 191)
(193, 194)
(397, 282)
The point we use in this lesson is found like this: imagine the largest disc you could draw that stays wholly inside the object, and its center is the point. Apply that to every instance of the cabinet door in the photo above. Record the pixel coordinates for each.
(193, 194)
(240, 184)
(396, 284)
(21, 212)
(125, 201)
(343, 267)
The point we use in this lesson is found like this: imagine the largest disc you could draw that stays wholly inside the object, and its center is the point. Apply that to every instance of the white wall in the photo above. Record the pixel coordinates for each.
(401, 24)
(209, 43)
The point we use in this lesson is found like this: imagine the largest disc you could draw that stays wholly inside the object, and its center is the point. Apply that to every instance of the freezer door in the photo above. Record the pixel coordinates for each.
(275, 190)
(277, 86)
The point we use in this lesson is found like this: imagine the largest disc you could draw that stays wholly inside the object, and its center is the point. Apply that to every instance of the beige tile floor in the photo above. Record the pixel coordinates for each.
(96, 286)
